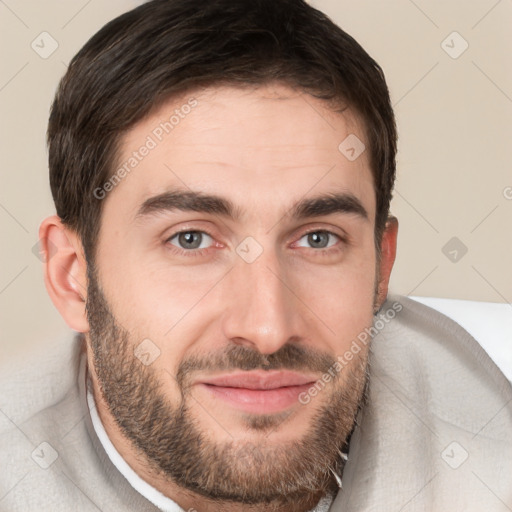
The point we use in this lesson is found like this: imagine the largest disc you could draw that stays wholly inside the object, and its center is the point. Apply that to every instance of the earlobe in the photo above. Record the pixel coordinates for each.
(388, 254)
(65, 271)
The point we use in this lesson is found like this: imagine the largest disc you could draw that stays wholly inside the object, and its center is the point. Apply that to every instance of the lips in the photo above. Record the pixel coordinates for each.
(261, 380)
(258, 392)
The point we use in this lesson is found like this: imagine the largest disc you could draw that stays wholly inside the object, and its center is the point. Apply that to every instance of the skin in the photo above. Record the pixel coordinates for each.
(264, 149)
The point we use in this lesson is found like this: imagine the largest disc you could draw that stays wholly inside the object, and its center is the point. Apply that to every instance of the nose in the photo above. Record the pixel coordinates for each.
(262, 308)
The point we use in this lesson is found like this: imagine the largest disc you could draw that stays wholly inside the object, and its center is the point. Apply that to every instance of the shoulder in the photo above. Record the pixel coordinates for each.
(33, 382)
(430, 344)
(39, 407)
(437, 421)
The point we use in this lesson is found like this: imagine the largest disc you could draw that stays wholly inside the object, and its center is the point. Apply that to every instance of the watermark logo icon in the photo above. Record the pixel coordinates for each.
(454, 249)
(146, 352)
(454, 45)
(352, 147)
(249, 249)
(44, 455)
(37, 250)
(454, 455)
(44, 45)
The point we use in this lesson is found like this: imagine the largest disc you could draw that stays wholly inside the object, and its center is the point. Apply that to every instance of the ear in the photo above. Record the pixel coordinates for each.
(388, 254)
(65, 271)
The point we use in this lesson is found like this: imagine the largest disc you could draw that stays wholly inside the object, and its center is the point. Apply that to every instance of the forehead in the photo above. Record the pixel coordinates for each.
(261, 146)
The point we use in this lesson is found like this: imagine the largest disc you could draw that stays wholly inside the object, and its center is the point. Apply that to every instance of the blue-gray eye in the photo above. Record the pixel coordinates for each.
(191, 240)
(319, 239)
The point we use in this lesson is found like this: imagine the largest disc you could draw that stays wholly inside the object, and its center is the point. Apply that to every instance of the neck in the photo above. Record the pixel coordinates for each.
(195, 503)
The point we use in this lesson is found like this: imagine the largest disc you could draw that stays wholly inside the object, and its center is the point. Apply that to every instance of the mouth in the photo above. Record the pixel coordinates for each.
(259, 392)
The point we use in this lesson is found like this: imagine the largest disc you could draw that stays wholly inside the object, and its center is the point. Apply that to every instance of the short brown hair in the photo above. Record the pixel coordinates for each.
(166, 47)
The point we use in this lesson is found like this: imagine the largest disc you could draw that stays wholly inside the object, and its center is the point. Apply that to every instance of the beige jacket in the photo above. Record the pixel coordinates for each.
(436, 434)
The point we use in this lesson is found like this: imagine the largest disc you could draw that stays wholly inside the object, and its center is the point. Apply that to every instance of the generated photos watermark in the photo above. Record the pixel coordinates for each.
(356, 346)
(152, 140)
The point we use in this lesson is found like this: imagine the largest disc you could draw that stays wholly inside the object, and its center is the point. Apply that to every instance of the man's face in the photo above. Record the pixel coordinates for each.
(265, 298)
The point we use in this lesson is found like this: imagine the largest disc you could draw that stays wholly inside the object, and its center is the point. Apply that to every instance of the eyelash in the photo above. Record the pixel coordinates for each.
(201, 252)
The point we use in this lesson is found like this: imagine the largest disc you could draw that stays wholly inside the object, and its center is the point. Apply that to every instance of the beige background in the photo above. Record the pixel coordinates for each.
(454, 167)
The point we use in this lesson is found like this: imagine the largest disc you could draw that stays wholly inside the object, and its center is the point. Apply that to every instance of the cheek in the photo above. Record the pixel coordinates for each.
(166, 304)
(341, 297)
(147, 290)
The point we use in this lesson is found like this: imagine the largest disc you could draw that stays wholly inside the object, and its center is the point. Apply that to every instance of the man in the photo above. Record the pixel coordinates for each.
(222, 173)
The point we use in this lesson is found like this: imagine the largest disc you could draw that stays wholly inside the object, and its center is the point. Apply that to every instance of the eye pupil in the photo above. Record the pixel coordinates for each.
(318, 239)
(190, 239)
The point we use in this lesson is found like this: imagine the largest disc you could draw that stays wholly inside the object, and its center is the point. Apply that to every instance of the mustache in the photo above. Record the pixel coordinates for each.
(237, 357)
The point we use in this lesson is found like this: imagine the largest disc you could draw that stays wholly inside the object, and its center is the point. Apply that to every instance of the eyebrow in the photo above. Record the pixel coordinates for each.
(188, 200)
